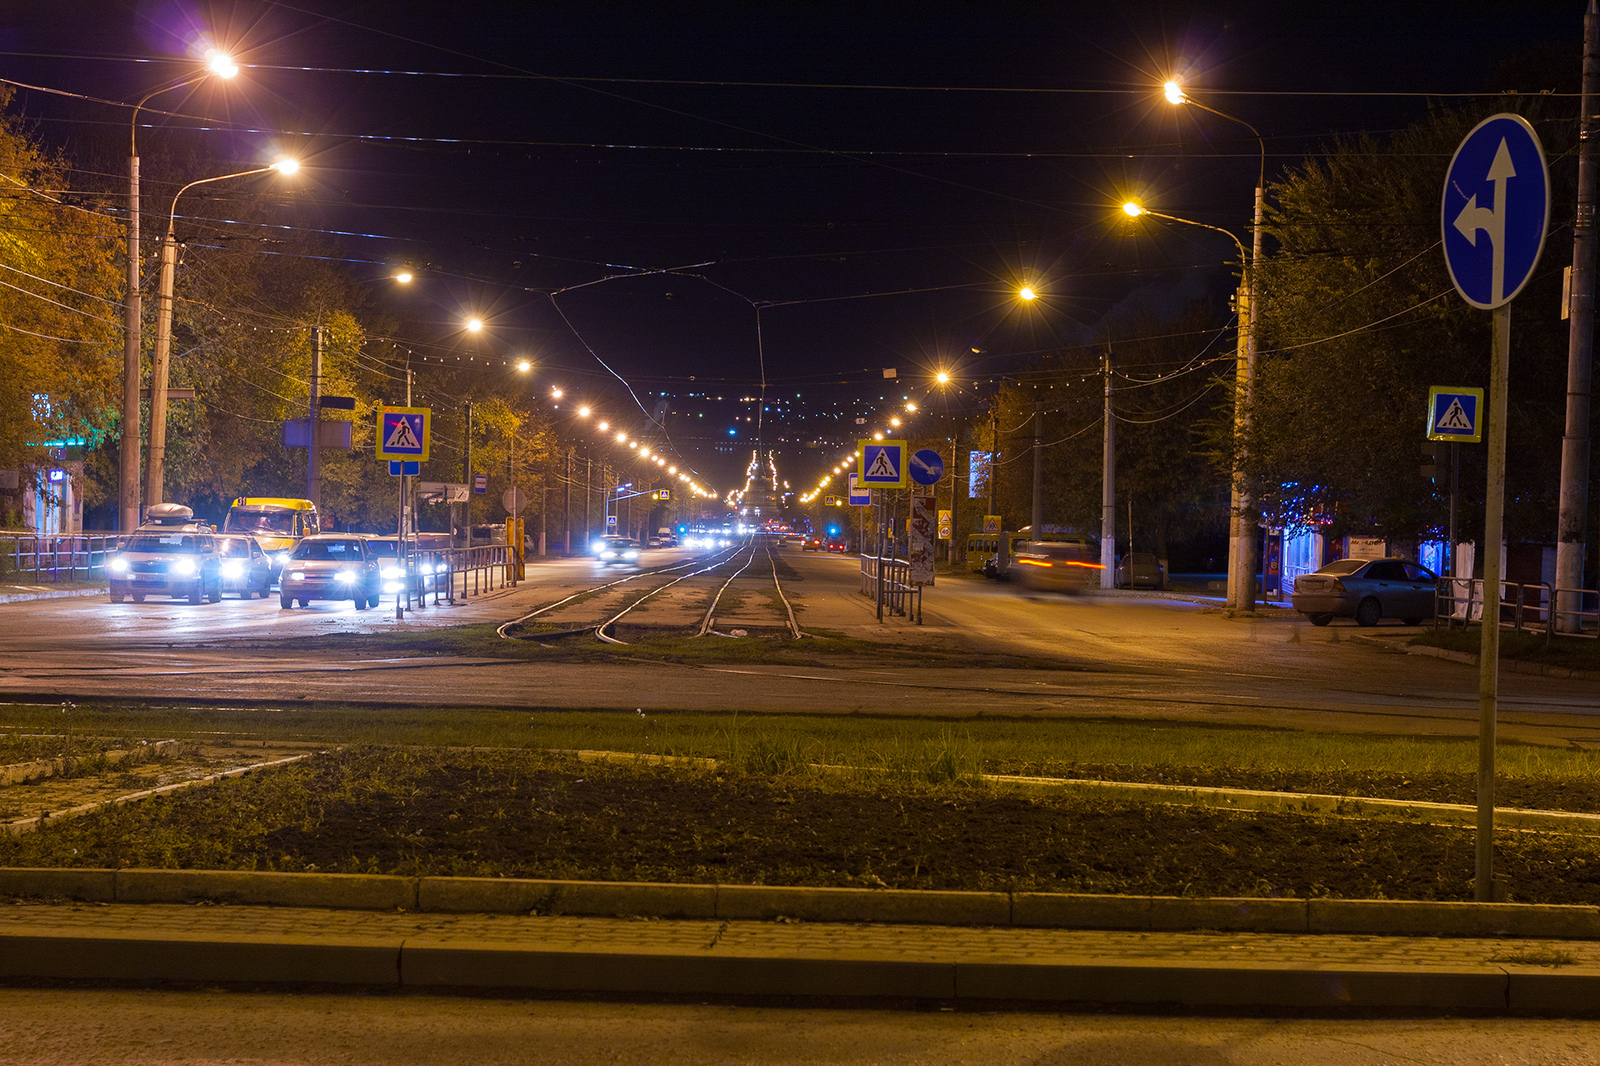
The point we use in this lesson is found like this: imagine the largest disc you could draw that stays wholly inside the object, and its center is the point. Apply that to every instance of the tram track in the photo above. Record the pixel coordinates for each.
(601, 608)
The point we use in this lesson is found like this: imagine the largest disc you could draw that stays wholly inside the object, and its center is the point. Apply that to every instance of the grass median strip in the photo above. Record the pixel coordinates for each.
(542, 815)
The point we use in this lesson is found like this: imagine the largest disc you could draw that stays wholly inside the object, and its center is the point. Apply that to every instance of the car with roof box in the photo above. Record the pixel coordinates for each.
(171, 554)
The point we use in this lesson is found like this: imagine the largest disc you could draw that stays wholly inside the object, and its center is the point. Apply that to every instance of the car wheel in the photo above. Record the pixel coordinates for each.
(362, 603)
(196, 594)
(1320, 619)
(1368, 612)
(215, 595)
(116, 595)
(286, 603)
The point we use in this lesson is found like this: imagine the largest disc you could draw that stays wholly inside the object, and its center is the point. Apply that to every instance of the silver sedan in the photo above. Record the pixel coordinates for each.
(1367, 590)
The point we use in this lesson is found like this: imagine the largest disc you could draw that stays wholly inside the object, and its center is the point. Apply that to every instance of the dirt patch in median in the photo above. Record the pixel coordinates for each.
(529, 814)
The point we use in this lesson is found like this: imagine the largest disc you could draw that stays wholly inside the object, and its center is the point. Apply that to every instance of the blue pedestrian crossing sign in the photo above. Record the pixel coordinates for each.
(1495, 209)
(403, 433)
(927, 467)
(1455, 414)
(882, 464)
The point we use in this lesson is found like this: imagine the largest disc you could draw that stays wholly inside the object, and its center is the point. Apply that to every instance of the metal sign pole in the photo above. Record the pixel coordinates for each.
(1489, 648)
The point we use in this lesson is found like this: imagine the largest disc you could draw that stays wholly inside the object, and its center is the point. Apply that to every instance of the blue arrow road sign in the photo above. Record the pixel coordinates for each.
(926, 467)
(1494, 211)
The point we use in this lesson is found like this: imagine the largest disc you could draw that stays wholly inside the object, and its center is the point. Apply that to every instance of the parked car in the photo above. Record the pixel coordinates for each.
(172, 554)
(245, 568)
(1367, 590)
(331, 566)
(1140, 570)
(840, 546)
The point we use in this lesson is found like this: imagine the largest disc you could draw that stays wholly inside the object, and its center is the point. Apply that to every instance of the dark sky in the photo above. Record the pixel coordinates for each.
(803, 156)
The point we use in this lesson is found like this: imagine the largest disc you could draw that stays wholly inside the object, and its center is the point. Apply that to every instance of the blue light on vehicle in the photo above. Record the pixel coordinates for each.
(732, 432)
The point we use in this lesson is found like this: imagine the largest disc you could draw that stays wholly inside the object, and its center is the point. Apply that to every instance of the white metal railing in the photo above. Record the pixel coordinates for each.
(898, 595)
(63, 557)
(1525, 606)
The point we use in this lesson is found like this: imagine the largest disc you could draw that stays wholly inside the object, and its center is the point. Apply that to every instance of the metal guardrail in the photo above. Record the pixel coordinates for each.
(900, 596)
(65, 557)
(438, 571)
(1525, 607)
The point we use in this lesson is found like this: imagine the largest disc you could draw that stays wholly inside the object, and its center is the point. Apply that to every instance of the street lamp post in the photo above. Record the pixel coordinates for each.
(1241, 544)
(132, 308)
(1242, 528)
(160, 361)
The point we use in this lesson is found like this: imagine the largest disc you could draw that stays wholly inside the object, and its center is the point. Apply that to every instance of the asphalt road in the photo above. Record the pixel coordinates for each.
(1122, 655)
(48, 1026)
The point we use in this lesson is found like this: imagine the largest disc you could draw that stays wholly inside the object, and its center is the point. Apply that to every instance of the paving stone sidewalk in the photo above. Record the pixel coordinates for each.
(162, 942)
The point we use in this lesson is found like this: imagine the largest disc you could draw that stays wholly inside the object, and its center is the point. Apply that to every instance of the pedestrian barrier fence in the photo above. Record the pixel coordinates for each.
(449, 573)
(64, 557)
(899, 595)
(1525, 607)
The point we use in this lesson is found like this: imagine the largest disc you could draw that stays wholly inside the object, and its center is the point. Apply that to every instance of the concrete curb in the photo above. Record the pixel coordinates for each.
(27, 597)
(1041, 910)
(1515, 666)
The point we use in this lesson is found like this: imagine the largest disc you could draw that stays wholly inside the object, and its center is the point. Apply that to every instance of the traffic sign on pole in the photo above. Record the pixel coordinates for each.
(860, 495)
(401, 468)
(1455, 414)
(882, 463)
(1494, 210)
(927, 466)
(403, 432)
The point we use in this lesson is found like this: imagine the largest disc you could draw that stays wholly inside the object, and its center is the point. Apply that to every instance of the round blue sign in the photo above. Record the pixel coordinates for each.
(1494, 211)
(926, 467)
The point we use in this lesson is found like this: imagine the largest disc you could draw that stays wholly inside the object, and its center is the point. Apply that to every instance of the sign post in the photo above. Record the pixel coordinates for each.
(1491, 248)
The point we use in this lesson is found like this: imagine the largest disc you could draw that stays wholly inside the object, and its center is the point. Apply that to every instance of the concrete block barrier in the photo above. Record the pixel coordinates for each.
(1380, 917)
(113, 957)
(95, 886)
(427, 964)
(1245, 915)
(1057, 910)
(350, 891)
(486, 895)
(757, 902)
(1190, 985)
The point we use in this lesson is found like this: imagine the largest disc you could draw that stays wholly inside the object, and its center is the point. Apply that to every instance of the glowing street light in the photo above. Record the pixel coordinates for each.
(583, 412)
(1175, 93)
(1027, 293)
(404, 277)
(474, 325)
(221, 64)
(555, 394)
(603, 426)
(524, 366)
(942, 378)
(1132, 210)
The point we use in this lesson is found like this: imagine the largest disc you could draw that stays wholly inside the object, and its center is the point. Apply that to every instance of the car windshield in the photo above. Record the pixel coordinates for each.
(261, 521)
(342, 551)
(387, 549)
(231, 547)
(161, 542)
(1344, 566)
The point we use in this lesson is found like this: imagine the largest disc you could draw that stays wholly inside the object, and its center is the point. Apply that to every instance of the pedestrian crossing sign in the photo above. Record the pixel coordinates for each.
(881, 464)
(1455, 414)
(403, 433)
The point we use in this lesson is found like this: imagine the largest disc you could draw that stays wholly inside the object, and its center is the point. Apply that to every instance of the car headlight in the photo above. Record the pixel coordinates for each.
(608, 555)
(183, 566)
(282, 558)
(297, 576)
(233, 568)
(630, 555)
(391, 586)
(118, 566)
(390, 571)
(346, 576)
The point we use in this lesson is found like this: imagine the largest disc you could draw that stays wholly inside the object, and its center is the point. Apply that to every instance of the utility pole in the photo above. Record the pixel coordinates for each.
(958, 544)
(1243, 591)
(128, 494)
(994, 451)
(313, 449)
(566, 507)
(1572, 525)
(1108, 490)
(1038, 470)
(156, 452)
(466, 472)
(588, 491)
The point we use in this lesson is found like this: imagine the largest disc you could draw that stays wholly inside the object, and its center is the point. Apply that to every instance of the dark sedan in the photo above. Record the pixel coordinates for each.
(1367, 590)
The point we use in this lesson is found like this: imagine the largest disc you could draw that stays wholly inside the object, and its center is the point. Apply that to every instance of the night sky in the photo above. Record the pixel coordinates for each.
(636, 181)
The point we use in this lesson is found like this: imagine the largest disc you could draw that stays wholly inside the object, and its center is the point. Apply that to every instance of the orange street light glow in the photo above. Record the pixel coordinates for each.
(474, 325)
(1132, 210)
(404, 277)
(583, 412)
(942, 378)
(1027, 293)
(1174, 93)
(221, 64)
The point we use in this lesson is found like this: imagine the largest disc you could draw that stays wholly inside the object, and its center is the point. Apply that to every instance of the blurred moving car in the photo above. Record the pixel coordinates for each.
(1066, 566)
(172, 554)
(811, 544)
(331, 566)
(1367, 590)
(615, 551)
(1140, 570)
(245, 567)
